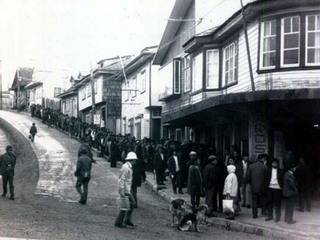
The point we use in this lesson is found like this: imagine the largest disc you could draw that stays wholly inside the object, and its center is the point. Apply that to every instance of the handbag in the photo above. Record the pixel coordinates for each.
(123, 203)
(227, 206)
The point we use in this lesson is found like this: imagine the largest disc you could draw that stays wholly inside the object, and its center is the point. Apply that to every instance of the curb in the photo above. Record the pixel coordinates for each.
(238, 226)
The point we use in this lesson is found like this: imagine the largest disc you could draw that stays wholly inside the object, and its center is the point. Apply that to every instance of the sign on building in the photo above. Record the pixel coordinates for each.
(96, 119)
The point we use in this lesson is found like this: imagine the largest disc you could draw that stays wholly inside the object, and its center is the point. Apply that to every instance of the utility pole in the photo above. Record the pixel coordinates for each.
(92, 94)
(247, 44)
(18, 92)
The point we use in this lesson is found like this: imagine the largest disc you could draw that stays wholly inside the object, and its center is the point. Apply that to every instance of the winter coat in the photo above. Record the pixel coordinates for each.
(279, 177)
(84, 165)
(257, 177)
(172, 165)
(159, 163)
(210, 176)
(7, 163)
(289, 185)
(194, 181)
(125, 179)
(231, 182)
(138, 174)
(33, 130)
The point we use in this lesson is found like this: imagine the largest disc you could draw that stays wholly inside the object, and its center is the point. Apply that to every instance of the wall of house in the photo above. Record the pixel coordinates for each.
(69, 106)
(85, 97)
(36, 95)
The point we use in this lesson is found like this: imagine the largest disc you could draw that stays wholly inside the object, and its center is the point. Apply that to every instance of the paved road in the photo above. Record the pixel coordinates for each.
(45, 206)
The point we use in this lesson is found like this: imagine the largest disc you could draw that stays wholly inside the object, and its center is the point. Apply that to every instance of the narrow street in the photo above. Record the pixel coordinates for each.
(48, 208)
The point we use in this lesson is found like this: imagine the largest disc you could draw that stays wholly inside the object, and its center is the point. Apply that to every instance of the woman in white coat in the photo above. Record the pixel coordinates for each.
(230, 190)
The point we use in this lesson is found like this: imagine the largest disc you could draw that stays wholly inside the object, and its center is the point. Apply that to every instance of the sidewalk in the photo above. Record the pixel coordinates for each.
(307, 226)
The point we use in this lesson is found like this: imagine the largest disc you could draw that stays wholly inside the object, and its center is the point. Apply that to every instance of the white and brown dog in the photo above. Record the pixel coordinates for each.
(185, 215)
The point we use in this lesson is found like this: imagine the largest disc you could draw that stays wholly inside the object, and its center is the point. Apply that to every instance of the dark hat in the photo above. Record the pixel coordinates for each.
(212, 158)
(275, 160)
(83, 151)
(8, 148)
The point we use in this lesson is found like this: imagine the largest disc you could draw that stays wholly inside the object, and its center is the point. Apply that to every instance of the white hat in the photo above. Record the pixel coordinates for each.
(192, 153)
(131, 156)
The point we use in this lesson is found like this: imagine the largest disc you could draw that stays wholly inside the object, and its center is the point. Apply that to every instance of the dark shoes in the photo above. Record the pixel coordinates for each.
(3, 195)
(291, 222)
(12, 198)
(210, 215)
(269, 219)
(248, 206)
(120, 225)
(230, 218)
(180, 192)
(83, 201)
(130, 224)
(277, 220)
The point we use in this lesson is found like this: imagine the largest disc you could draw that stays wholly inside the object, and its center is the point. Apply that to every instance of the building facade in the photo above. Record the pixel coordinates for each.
(253, 85)
(141, 109)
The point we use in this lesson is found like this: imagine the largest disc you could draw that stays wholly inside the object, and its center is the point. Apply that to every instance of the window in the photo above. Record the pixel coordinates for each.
(127, 93)
(186, 73)
(290, 41)
(95, 83)
(143, 81)
(268, 44)
(230, 63)
(88, 89)
(83, 93)
(212, 69)
(67, 105)
(313, 40)
(197, 72)
(176, 76)
(134, 86)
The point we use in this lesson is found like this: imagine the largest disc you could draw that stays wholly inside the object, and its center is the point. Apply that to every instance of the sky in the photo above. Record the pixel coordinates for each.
(72, 35)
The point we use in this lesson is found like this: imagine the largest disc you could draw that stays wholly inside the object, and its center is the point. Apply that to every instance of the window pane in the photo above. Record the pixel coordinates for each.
(270, 44)
(291, 41)
(291, 56)
(311, 21)
(311, 56)
(311, 39)
(269, 59)
(318, 22)
(273, 28)
(295, 24)
(287, 25)
(314, 55)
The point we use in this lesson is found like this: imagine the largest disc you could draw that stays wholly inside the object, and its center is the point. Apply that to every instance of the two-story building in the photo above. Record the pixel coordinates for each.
(22, 77)
(250, 79)
(141, 109)
(99, 90)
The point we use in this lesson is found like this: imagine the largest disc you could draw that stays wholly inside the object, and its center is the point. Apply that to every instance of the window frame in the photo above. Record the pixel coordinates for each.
(282, 36)
(186, 72)
(176, 78)
(207, 68)
(143, 81)
(262, 37)
(307, 37)
(193, 72)
(134, 87)
(235, 63)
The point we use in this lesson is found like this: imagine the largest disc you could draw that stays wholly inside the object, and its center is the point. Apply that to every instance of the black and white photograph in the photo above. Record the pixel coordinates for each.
(159, 119)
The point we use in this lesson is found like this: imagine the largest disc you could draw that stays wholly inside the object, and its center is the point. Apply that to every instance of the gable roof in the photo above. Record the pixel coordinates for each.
(25, 77)
(179, 10)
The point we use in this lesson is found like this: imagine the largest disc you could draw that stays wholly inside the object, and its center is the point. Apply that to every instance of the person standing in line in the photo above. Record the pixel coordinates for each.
(230, 190)
(138, 176)
(210, 179)
(33, 131)
(7, 165)
(83, 174)
(289, 191)
(160, 165)
(194, 180)
(245, 187)
(302, 174)
(124, 188)
(274, 192)
(175, 166)
(256, 177)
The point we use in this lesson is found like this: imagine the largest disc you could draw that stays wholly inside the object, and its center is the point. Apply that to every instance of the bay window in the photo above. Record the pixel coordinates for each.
(197, 72)
(230, 63)
(212, 68)
(313, 40)
(268, 46)
(290, 41)
(186, 73)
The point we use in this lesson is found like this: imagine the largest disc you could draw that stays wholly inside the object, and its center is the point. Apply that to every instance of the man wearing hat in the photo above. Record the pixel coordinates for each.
(274, 192)
(160, 165)
(175, 166)
(194, 180)
(124, 187)
(7, 165)
(210, 180)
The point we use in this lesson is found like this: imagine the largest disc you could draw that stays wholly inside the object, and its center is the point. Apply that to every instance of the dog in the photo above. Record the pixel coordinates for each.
(186, 215)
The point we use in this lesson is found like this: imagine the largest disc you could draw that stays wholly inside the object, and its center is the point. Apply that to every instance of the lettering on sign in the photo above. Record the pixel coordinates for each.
(260, 138)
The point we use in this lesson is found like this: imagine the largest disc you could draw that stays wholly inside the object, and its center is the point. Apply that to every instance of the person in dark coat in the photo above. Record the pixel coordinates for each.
(7, 165)
(194, 180)
(115, 154)
(138, 176)
(175, 167)
(222, 174)
(245, 189)
(302, 174)
(33, 131)
(289, 191)
(160, 165)
(83, 174)
(274, 184)
(87, 147)
(210, 179)
(256, 177)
